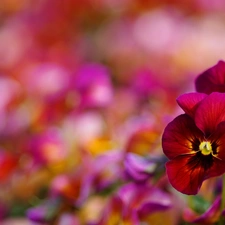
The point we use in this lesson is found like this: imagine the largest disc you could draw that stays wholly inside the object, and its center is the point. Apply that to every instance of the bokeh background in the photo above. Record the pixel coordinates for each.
(86, 89)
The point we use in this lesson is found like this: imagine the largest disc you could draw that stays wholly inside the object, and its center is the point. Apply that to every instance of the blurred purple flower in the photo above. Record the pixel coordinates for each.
(210, 216)
(45, 212)
(133, 203)
(139, 168)
(144, 198)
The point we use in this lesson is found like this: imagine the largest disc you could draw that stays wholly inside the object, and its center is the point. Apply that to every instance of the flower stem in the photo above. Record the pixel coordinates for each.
(222, 206)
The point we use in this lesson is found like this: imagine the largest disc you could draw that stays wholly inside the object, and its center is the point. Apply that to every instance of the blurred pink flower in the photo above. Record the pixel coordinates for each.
(48, 147)
(46, 81)
(133, 203)
(68, 219)
(108, 170)
(92, 81)
(76, 186)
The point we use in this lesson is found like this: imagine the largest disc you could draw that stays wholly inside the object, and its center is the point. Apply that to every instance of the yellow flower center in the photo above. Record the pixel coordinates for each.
(205, 147)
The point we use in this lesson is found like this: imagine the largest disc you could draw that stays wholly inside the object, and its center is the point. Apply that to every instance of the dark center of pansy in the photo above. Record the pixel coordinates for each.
(205, 147)
(205, 153)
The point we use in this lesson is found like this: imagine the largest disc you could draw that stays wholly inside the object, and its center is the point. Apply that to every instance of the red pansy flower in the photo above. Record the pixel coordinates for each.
(194, 142)
(212, 80)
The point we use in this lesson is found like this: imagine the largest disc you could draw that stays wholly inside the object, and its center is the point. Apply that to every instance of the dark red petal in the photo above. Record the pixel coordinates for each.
(179, 136)
(212, 80)
(218, 140)
(185, 175)
(217, 168)
(190, 101)
(210, 113)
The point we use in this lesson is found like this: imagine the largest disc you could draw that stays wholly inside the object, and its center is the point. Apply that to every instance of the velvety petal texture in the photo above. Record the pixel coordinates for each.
(210, 113)
(190, 101)
(212, 80)
(218, 137)
(185, 175)
(179, 136)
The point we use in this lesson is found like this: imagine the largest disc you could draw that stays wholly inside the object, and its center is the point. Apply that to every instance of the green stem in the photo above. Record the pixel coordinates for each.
(222, 206)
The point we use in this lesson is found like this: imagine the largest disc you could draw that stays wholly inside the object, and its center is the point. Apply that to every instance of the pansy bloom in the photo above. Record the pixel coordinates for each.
(212, 80)
(194, 142)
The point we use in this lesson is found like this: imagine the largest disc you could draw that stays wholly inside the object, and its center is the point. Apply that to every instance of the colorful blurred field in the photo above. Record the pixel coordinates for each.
(86, 90)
